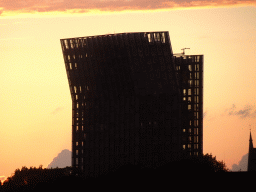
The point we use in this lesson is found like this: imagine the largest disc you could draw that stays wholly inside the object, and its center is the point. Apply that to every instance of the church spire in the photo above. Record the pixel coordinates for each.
(251, 155)
(250, 141)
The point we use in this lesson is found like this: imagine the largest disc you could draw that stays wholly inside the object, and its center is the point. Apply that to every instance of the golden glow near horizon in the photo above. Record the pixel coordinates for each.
(35, 105)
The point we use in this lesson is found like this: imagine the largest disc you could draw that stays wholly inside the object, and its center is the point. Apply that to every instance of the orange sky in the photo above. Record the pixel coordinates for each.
(35, 105)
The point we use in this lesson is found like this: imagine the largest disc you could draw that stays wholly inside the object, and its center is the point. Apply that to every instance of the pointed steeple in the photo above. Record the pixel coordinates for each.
(251, 155)
(250, 141)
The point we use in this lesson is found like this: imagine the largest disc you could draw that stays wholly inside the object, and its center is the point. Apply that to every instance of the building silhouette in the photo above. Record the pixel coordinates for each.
(190, 76)
(251, 156)
(133, 101)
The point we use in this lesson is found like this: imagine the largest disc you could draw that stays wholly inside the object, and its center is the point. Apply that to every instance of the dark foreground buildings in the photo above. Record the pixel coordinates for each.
(134, 102)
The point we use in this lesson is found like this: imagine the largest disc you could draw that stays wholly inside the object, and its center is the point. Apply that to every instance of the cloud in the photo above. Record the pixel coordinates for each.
(58, 109)
(208, 116)
(249, 111)
(242, 165)
(27, 6)
(62, 160)
(204, 114)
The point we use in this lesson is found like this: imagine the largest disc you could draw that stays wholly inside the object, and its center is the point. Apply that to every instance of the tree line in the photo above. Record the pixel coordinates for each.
(28, 179)
(35, 179)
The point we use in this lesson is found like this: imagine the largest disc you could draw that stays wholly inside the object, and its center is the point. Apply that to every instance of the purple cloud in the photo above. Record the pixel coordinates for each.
(245, 112)
(57, 110)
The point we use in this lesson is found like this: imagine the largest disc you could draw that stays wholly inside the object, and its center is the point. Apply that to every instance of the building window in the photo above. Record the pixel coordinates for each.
(163, 37)
(196, 115)
(189, 91)
(197, 91)
(150, 39)
(195, 139)
(197, 67)
(190, 83)
(157, 36)
(196, 83)
(196, 98)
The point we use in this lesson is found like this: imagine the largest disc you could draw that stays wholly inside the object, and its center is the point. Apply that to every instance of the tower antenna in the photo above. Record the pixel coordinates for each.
(183, 51)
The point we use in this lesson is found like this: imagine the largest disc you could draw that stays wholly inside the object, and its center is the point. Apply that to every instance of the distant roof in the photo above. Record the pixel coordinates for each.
(116, 34)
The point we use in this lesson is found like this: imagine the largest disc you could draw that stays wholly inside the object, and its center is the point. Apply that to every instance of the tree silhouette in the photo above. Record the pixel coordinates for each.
(31, 179)
(26, 179)
(203, 163)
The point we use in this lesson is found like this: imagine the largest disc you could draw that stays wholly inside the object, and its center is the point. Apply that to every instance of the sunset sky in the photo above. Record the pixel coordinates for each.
(35, 101)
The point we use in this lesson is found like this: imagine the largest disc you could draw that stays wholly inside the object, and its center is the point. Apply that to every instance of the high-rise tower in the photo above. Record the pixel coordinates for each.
(128, 101)
(190, 75)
